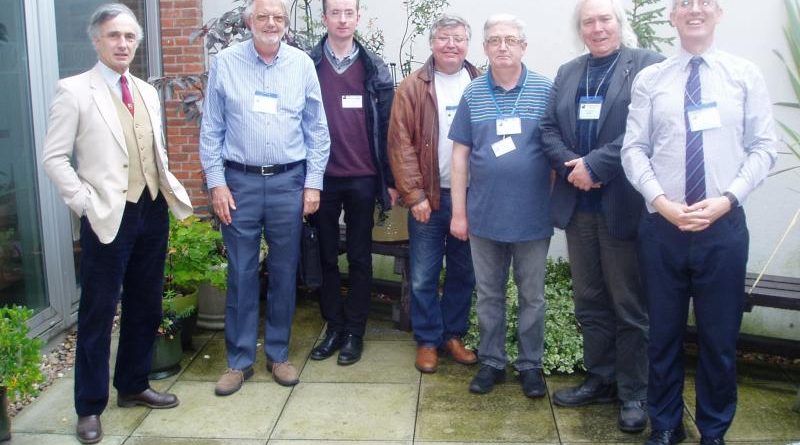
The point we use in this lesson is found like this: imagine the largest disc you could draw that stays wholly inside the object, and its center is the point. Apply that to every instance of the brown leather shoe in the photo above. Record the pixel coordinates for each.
(427, 359)
(89, 429)
(149, 398)
(285, 374)
(455, 347)
(232, 380)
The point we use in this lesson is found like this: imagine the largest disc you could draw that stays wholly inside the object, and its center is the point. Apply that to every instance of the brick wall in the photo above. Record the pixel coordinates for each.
(179, 18)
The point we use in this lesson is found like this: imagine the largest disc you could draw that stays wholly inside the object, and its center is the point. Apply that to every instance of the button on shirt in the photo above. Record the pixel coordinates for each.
(738, 155)
(232, 131)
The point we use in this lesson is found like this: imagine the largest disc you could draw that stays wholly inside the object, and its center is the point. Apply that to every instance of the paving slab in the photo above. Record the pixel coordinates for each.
(54, 413)
(57, 439)
(184, 441)
(449, 412)
(249, 413)
(339, 442)
(763, 414)
(451, 372)
(385, 329)
(381, 362)
(349, 411)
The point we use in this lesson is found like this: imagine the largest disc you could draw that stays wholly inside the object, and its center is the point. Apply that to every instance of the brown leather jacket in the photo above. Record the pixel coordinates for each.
(414, 137)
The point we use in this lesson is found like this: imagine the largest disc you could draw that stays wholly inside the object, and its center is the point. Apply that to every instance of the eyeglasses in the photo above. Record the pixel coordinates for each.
(348, 14)
(279, 19)
(444, 40)
(510, 41)
(702, 3)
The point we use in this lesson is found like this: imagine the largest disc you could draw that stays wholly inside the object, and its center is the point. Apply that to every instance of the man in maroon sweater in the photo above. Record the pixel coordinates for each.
(357, 92)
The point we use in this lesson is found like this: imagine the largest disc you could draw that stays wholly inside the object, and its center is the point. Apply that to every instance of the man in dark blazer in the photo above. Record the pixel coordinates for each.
(594, 203)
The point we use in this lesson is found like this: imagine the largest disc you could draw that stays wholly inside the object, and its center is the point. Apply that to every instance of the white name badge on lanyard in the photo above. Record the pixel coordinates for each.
(589, 108)
(450, 113)
(507, 126)
(265, 103)
(352, 101)
(503, 146)
(703, 116)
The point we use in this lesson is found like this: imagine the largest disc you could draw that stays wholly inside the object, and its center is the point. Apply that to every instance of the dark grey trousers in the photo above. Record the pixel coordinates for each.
(609, 304)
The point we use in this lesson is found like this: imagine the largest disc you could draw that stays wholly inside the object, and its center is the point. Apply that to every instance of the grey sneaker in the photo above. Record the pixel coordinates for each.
(232, 380)
(284, 373)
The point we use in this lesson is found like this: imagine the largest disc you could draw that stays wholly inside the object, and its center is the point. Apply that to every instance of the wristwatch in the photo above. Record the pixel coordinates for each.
(732, 198)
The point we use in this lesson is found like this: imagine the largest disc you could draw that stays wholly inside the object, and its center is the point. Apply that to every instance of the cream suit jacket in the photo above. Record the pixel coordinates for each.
(86, 157)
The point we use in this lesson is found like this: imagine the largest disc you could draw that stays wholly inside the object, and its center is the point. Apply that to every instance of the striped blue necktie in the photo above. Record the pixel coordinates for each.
(695, 168)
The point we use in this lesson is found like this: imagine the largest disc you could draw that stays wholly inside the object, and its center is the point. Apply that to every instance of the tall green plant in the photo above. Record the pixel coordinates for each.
(792, 33)
(194, 254)
(19, 354)
(420, 14)
(644, 21)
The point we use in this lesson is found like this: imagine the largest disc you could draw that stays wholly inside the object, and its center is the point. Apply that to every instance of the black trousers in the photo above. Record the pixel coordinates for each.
(134, 263)
(356, 196)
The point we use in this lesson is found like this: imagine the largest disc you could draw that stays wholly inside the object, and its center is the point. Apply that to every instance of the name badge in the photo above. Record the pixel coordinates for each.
(265, 103)
(352, 101)
(450, 113)
(589, 108)
(508, 125)
(503, 146)
(703, 116)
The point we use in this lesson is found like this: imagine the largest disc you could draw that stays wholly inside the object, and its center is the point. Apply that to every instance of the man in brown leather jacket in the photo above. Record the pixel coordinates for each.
(419, 154)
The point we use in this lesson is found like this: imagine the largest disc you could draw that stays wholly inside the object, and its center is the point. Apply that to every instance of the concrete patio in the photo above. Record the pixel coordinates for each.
(380, 400)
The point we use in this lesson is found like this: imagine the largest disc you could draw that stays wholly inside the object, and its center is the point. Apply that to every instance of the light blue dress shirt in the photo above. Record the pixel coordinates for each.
(233, 130)
(738, 155)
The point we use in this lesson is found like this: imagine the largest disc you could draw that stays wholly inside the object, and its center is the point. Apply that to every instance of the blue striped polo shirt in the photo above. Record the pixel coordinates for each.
(509, 196)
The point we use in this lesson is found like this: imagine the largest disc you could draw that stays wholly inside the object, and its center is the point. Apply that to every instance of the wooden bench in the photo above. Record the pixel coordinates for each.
(772, 291)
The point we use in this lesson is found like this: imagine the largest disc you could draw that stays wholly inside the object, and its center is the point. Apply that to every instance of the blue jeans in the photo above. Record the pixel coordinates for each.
(492, 260)
(269, 206)
(436, 319)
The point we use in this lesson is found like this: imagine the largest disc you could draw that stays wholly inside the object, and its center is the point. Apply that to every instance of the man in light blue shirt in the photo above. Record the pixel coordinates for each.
(700, 138)
(264, 145)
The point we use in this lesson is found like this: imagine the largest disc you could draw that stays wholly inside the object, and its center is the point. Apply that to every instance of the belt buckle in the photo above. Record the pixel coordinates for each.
(266, 170)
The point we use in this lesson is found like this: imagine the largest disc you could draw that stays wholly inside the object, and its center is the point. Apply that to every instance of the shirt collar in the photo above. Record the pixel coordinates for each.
(348, 58)
(256, 56)
(110, 76)
(520, 82)
(709, 56)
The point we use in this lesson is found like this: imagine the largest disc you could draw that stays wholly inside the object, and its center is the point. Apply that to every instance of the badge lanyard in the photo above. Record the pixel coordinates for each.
(516, 102)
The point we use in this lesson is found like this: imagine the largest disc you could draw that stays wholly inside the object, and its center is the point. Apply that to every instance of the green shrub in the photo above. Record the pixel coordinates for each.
(19, 354)
(563, 342)
(194, 254)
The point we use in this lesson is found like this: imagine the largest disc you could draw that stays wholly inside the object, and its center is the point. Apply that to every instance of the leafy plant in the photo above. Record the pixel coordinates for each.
(792, 33)
(194, 255)
(420, 14)
(19, 354)
(172, 316)
(563, 342)
(644, 21)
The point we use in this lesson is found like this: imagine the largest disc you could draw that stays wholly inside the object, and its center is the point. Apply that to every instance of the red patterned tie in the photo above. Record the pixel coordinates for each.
(126, 94)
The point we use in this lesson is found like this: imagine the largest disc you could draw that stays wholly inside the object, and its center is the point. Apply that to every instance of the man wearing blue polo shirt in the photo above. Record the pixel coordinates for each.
(504, 215)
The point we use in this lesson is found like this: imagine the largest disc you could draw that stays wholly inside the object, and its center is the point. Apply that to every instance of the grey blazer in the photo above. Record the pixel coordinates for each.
(621, 203)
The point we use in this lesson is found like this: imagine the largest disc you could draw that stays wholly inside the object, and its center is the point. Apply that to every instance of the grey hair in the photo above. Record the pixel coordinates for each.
(718, 3)
(505, 19)
(250, 6)
(449, 21)
(626, 35)
(110, 11)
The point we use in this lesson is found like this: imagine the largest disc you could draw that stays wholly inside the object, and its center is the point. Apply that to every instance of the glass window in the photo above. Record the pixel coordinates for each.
(21, 262)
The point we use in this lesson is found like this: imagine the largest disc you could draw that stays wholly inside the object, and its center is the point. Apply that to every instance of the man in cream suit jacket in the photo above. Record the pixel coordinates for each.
(105, 153)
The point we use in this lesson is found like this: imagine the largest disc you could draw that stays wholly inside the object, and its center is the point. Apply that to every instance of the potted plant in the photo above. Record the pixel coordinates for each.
(19, 362)
(168, 349)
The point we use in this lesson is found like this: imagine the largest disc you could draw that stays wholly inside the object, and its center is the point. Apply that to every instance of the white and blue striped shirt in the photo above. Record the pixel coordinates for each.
(233, 131)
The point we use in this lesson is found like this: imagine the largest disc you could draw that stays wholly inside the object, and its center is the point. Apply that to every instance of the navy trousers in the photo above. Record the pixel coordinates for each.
(269, 207)
(709, 268)
(356, 196)
(134, 262)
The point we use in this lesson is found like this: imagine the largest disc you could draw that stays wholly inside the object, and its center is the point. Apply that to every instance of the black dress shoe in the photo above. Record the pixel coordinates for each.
(149, 398)
(667, 437)
(351, 350)
(533, 383)
(632, 416)
(89, 429)
(332, 342)
(592, 390)
(486, 378)
(712, 441)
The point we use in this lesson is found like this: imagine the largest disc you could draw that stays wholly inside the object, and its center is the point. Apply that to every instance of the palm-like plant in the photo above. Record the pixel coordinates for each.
(792, 33)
